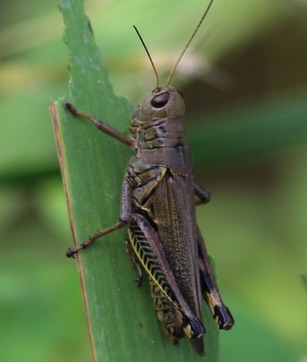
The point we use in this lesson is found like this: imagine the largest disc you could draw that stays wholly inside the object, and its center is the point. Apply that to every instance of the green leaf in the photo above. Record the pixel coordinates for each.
(121, 319)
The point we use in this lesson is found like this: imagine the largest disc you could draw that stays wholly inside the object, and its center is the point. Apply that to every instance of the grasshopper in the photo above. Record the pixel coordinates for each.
(158, 203)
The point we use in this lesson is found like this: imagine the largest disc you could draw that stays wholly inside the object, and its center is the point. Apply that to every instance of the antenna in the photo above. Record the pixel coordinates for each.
(188, 43)
(151, 61)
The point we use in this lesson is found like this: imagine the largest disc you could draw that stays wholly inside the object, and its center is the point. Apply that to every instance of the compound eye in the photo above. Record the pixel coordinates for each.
(160, 100)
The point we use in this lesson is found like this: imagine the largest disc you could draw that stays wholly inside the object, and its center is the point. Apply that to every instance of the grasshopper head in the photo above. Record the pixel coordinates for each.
(163, 102)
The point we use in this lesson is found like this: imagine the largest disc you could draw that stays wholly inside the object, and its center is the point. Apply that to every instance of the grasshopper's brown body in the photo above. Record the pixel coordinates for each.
(163, 198)
(158, 204)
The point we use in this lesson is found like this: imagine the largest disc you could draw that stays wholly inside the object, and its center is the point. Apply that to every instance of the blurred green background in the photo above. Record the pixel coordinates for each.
(245, 84)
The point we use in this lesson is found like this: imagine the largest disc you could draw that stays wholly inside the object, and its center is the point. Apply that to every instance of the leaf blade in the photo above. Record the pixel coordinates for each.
(121, 321)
